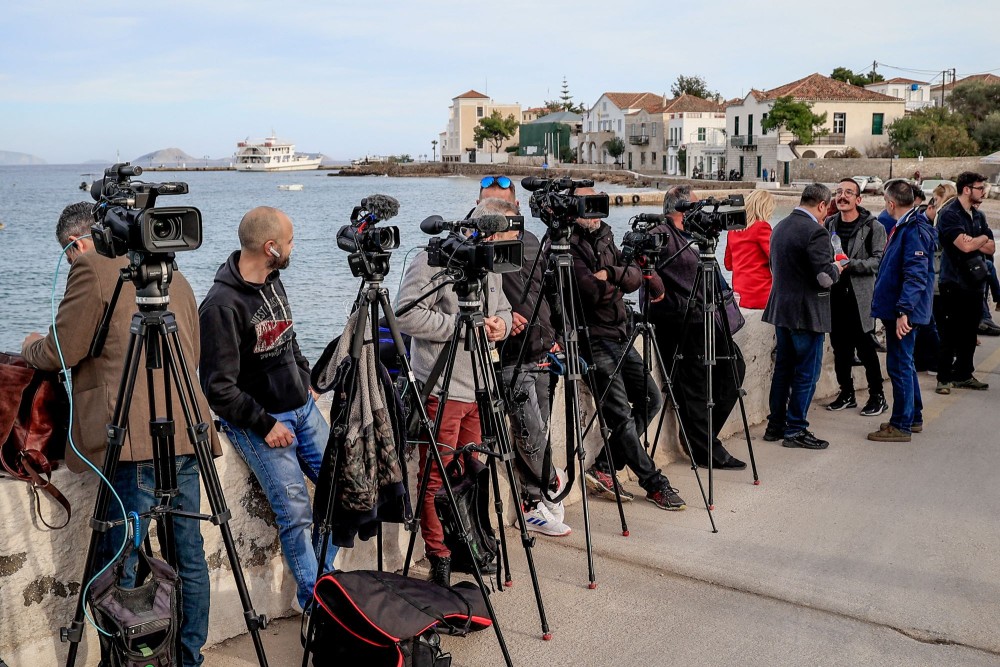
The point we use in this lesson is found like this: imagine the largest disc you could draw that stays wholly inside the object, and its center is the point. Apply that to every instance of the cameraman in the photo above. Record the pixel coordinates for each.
(631, 399)
(676, 279)
(431, 324)
(91, 282)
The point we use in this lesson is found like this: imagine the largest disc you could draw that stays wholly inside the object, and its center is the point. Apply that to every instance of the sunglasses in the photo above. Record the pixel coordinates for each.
(498, 181)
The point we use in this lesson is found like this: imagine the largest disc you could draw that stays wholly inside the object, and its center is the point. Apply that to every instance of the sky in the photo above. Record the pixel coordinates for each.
(87, 81)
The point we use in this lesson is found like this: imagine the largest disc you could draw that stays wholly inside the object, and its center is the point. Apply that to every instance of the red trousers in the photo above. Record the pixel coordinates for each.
(459, 427)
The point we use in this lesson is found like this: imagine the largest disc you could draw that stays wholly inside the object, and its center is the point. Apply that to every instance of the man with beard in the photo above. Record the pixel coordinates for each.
(257, 382)
(862, 240)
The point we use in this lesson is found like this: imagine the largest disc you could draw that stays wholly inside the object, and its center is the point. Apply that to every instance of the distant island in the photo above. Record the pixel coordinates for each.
(8, 158)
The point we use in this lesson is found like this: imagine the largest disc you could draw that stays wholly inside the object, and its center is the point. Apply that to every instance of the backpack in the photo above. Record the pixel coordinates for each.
(381, 619)
(470, 482)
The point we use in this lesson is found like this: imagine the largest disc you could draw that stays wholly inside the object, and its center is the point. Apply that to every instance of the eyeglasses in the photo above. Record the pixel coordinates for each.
(841, 191)
(981, 188)
(498, 181)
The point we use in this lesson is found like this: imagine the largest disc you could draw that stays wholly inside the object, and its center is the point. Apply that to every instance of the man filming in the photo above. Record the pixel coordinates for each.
(631, 398)
(431, 323)
(89, 287)
(676, 280)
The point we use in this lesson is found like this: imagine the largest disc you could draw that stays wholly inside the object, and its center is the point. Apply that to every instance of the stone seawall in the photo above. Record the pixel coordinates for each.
(828, 170)
(40, 570)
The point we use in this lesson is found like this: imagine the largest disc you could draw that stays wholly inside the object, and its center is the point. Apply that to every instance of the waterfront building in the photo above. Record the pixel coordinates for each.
(855, 118)
(457, 143)
(605, 120)
(941, 92)
(551, 136)
(916, 94)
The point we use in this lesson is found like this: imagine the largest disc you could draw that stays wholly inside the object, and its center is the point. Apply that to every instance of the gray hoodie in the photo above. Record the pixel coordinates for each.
(432, 323)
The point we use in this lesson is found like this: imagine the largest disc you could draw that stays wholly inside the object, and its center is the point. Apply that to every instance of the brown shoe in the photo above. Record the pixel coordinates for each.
(889, 433)
(915, 427)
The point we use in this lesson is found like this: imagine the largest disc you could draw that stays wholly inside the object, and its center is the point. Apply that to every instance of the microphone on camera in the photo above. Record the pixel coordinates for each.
(380, 207)
(488, 224)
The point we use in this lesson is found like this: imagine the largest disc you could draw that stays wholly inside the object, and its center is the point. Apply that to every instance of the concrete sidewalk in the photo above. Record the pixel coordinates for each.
(865, 553)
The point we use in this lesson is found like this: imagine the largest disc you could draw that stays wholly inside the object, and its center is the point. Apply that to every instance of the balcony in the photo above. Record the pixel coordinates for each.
(829, 140)
(638, 139)
(745, 141)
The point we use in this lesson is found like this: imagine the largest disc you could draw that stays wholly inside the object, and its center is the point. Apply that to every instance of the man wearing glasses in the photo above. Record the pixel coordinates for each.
(863, 240)
(967, 242)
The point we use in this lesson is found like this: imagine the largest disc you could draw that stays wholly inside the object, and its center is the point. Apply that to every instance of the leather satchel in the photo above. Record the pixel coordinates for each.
(34, 419)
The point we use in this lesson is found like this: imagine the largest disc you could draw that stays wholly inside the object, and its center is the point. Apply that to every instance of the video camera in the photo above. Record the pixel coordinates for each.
(712, 223)
(640, 243)
(473, 255)
(126, 220)
(370, 245)
(558, 209)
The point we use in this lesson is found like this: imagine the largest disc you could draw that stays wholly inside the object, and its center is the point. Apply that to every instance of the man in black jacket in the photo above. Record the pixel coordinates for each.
(257, 382)
(631, 398)
(799, 308)
(862, 239)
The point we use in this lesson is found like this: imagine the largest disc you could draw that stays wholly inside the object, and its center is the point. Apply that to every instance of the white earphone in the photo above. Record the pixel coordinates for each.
(274, 251)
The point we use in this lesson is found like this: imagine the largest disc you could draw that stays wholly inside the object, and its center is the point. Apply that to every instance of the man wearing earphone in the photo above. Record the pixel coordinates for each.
(257, 382)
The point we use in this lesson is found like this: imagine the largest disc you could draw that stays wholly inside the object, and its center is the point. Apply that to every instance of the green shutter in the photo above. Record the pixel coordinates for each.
(877, 119)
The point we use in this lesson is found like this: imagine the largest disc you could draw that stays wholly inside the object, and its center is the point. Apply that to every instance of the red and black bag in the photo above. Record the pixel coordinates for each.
(381, 619)
(34, 419)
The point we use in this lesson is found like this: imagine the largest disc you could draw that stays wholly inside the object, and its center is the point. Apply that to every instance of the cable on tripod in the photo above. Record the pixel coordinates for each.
(402, 272)
(68, 384)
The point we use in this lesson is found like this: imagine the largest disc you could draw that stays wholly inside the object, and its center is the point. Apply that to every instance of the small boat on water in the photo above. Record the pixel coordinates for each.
(85, 184)
(270, 154)
(294, 187)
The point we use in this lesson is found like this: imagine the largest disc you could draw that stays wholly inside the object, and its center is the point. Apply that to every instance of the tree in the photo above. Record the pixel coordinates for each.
(848, 76)
(975, 100)
(682, 161)
(692, 85)
(615, 148)
(566, 100)
(567, 154)
(495, 129)
(796, 117)
(987, 133)
(932, 132)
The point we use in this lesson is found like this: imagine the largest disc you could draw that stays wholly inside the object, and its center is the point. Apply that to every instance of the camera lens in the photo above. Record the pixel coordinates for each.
(164, 229)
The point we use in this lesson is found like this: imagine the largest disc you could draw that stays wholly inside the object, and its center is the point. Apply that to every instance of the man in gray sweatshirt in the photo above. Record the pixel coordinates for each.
(431, 324)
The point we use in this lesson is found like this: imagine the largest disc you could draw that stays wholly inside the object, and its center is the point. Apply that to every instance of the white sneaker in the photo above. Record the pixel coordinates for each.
(540, 520)
(558, 510)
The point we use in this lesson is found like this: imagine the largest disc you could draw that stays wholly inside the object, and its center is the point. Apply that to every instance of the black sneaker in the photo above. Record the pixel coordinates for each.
(875, 406)
(440, 570)
(774, 434)
(666, 498)
(806, 440)
(602, 484)
(844, 400)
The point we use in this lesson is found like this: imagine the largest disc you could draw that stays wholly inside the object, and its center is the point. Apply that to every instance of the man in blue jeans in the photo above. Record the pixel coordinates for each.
(91, 282)
(803, 270)
(904, 293)
(257, 381)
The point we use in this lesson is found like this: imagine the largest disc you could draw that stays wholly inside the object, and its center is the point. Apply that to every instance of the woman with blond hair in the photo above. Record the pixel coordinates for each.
(928, 342)
(748, 252)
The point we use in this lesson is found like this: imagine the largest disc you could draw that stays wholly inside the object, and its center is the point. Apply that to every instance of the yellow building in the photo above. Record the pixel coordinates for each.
(457, 143)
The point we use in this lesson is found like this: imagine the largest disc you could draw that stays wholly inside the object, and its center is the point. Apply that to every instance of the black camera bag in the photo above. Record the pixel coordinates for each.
(143, 621)
(470, 482)
(381, 619)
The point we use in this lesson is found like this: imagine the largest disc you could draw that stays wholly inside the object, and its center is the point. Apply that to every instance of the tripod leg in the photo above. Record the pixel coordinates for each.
(507, 581)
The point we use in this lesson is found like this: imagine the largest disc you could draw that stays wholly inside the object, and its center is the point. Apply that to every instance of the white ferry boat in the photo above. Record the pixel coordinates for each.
(270, 154)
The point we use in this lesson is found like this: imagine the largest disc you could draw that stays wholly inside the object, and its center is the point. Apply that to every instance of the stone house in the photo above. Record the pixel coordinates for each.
(855, 118)
(605, 120)
(457, 143)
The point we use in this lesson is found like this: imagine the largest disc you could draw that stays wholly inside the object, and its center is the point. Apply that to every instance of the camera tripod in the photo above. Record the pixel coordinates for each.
(154, 333)
(711, 301)
(496, 443)
(560, 282)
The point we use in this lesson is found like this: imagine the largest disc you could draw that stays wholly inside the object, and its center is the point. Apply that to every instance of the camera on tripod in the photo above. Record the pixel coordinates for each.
(698, 220)
(640, 244)
(554, 202)
(126, 219)
(370, 245)
(472, 254)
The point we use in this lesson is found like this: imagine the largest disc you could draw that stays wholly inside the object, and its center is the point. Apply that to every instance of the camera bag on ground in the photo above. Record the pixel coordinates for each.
(34, 417)
(470, 483)
(143, 621)
(381, 619)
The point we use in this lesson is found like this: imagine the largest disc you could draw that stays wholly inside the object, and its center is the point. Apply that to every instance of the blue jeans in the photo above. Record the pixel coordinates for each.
(797, 365)
(279, 471)
(907, 408)
(135, 485)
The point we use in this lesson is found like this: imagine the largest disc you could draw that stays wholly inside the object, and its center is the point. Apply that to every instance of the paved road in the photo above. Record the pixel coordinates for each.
(863, 554)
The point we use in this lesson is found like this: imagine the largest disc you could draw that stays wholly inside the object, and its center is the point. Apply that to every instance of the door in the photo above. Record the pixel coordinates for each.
(630, 160)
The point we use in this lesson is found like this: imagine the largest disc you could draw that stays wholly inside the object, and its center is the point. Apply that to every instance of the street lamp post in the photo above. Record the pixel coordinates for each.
(891, 158)
(434, 145)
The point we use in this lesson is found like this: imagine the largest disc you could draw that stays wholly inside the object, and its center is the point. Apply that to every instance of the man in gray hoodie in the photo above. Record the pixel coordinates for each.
(431, 324)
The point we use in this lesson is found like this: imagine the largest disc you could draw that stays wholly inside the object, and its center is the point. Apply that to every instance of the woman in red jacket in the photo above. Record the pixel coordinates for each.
(748, 252)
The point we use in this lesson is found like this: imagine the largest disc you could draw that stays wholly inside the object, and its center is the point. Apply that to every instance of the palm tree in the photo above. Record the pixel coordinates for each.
(434, 147)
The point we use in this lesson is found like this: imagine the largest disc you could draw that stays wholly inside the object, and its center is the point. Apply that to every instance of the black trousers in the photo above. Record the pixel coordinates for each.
(691, 388)
(848, 335)
(958, 313)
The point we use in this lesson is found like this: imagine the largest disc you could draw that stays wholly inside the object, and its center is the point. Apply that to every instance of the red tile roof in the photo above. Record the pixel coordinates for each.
(898, 79)
(980, 78)
(819, 88)
(634, 100)
(686, 103)
(473, 94)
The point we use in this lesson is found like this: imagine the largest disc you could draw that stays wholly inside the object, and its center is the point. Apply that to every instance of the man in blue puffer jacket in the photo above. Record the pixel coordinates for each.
(904, 291)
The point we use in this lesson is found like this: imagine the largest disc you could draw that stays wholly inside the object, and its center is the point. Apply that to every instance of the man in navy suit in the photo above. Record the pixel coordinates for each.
(803, 270)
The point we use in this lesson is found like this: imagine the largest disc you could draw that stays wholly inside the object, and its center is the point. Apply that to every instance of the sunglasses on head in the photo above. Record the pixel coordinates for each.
(498, 181)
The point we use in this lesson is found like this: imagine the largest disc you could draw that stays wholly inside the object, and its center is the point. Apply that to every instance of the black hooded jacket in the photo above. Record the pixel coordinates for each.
(603, 300)
(251, 366)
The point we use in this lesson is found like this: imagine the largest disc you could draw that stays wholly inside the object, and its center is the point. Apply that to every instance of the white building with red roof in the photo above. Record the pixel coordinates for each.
(916, 94)
(458, 144)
